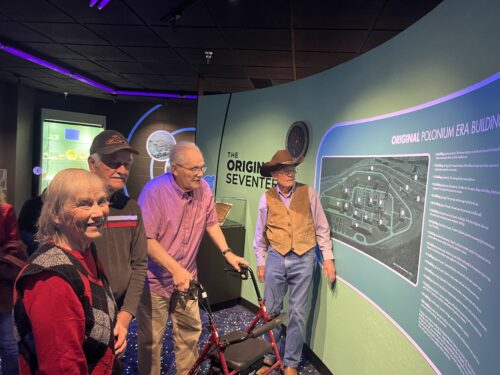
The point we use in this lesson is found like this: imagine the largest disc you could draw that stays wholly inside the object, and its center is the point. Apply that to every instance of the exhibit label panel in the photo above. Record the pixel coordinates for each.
(413, 201)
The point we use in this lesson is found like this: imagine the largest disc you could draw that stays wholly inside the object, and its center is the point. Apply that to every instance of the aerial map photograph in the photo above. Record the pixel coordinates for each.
(375, 205)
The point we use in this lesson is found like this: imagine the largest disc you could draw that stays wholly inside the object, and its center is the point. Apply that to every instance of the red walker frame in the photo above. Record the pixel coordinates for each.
(215, 342)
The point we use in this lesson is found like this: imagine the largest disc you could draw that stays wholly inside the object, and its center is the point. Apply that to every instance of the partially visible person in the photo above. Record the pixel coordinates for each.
(64, 309)
(122, 248)
(12, 257)
(290, 224)
(28, 217)
(178, 208)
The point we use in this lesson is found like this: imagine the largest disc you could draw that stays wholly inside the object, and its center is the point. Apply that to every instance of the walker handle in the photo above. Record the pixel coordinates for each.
(266, 327)
(243, 273)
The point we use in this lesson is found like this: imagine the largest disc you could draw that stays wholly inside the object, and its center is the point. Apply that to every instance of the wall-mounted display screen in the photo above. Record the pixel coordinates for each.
(64, 145)
(66, 140)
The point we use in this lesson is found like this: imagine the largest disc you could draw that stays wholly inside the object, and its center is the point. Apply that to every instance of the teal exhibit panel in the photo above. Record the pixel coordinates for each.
(413, 200)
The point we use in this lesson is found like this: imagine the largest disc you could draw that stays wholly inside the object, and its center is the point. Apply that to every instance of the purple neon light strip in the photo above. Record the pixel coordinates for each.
(88, 81)
(103, 4)
(34, 59)
(156, 94)
(93, 83)
(92, 3)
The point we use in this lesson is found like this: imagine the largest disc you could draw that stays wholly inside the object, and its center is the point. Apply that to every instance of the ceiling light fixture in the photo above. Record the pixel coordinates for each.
(26, 56)
(208, 56)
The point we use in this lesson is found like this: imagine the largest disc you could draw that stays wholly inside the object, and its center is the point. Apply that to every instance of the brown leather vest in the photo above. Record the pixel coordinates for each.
(290, 229)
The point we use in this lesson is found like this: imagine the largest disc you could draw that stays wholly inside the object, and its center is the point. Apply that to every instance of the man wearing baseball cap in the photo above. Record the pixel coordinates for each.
(290, 224)
(123, 247)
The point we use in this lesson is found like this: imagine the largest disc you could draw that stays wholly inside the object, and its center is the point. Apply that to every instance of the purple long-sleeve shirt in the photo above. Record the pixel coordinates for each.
(260, 242)
(177, 220)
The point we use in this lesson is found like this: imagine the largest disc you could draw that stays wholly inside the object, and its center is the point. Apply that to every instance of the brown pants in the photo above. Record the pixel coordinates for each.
(152, 318)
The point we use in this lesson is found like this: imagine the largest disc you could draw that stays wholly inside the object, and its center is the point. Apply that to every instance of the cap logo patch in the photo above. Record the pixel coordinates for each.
(115, 140)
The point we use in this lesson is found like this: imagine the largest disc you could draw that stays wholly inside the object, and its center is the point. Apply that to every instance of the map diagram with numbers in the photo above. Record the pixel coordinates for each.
(375, 205)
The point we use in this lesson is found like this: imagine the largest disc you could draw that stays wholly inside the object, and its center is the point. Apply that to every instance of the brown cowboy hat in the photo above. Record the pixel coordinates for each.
(281, 158)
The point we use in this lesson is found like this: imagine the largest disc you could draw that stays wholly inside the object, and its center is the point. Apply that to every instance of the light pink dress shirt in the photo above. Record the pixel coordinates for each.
(177, 220)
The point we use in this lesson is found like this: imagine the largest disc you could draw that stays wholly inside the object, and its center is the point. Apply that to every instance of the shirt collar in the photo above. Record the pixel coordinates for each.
(181, 193)
(292, 190)
(118, 200)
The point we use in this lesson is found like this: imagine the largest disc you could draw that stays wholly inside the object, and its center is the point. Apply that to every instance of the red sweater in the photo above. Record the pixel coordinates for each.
(8, 224)
(58, 323)
(9, 233)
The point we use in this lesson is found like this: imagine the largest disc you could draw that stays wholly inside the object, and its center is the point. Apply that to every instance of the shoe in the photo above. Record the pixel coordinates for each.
(266, 363)
(262, 370)
(290, 371)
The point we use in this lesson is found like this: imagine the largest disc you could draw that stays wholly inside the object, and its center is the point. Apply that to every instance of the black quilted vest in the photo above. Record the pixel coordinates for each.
(100, 315)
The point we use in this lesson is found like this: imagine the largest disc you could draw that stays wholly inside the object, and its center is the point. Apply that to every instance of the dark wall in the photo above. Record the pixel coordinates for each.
(16, 129)
(7, 134)
(24, 144)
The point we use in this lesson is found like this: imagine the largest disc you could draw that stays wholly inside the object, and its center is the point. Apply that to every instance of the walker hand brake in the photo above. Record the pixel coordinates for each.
(243, 273)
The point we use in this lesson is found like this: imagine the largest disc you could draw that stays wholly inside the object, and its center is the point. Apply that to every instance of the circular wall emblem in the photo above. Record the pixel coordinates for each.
(297, 139)
(159, 144)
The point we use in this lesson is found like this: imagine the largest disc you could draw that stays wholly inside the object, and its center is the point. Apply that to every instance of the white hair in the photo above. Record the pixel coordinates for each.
(177, 155)
(63, 187)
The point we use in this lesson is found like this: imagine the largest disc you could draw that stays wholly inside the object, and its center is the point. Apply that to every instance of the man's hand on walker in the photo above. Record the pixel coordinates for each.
(329, 270)
(235, 261)
(181, 278)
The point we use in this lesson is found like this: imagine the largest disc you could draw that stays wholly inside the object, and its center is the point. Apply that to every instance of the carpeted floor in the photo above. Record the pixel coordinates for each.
(227, 320)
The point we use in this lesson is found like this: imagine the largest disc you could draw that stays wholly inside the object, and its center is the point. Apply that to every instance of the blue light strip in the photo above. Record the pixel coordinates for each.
(137, 124)
(26, 56)
(183, 130)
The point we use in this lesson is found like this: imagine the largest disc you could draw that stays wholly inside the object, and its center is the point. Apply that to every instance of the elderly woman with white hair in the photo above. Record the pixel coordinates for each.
(64, 311)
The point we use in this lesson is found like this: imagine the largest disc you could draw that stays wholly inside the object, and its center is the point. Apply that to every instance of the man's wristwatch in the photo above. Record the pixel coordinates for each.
(228, 250)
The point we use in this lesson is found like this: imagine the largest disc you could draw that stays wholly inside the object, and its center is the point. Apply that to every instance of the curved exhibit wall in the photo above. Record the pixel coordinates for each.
(390, 315)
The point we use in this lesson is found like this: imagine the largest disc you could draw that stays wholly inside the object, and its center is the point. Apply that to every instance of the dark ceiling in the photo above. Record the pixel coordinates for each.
(160, 45)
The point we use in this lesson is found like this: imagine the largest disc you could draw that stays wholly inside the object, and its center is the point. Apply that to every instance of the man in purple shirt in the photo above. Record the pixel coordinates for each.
(178, 207)
(290, 224)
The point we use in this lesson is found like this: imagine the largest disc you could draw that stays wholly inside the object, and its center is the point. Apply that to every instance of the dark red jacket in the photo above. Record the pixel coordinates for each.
(12, 255)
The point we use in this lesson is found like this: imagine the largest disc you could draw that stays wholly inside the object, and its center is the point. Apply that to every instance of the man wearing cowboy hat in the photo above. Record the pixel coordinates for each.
(290, 224)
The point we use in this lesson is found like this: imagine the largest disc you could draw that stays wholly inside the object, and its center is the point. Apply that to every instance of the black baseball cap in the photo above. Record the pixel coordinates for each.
(109, 142)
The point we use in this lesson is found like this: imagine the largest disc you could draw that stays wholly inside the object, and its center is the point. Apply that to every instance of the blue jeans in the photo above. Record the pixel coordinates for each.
(294, 273)
(8, 345)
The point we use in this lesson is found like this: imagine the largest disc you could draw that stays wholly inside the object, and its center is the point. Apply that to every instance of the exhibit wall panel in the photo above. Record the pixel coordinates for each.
(351, 329)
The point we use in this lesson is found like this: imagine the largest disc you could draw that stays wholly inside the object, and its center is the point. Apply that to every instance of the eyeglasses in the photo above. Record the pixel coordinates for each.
(287, 171)
(115, 164)
(194, 170)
